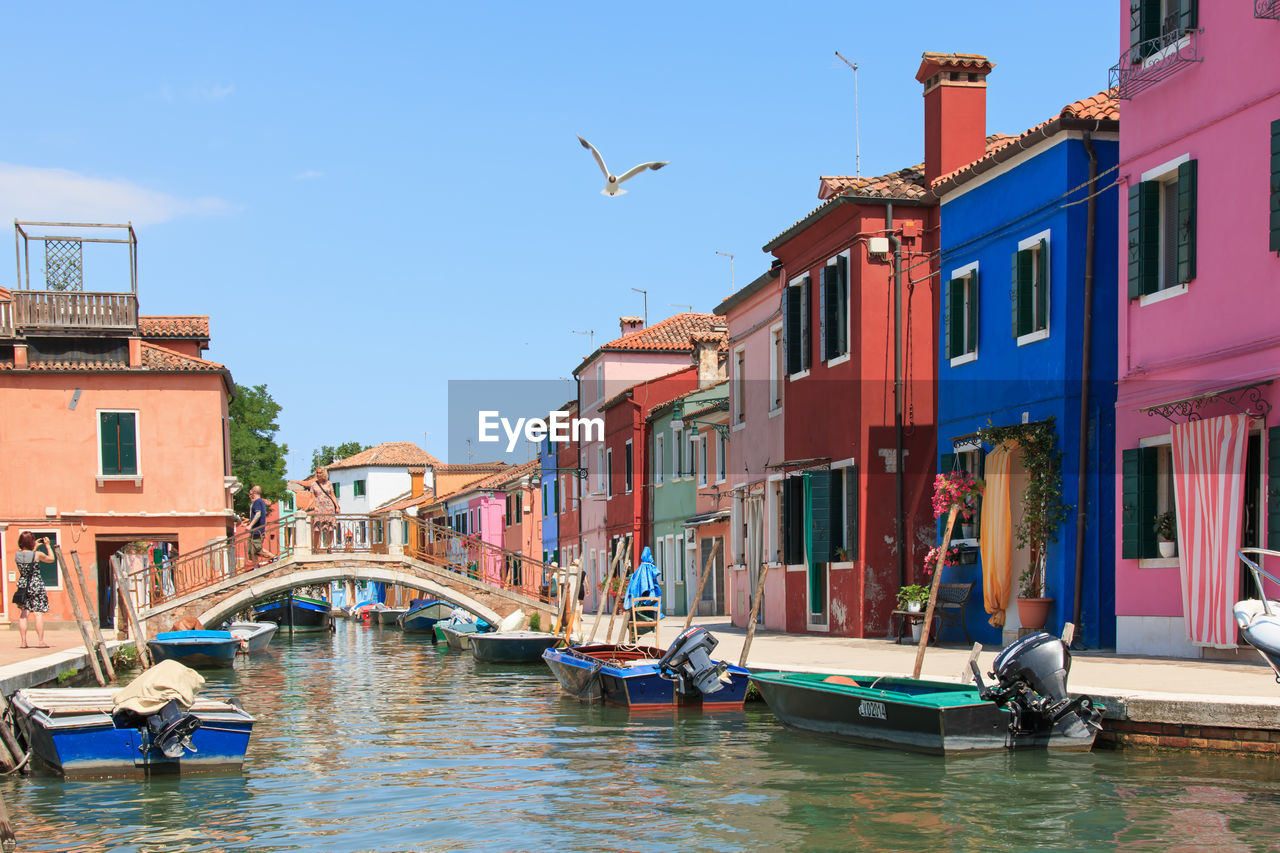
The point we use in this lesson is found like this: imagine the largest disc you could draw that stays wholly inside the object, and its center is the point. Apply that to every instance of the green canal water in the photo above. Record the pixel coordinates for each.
(370, 739)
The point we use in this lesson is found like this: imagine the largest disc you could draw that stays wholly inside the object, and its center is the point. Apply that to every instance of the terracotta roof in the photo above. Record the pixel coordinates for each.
(1100, 111)
(477, 467)
(174, 326)
(674, 334)
(155, 359)
(393, 454)
(4, 294)
(502, 478)
(404, 501)
(931, 63)
(904, 183)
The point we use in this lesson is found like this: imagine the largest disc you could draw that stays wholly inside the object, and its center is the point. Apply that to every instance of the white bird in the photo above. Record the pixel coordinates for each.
(613, 183)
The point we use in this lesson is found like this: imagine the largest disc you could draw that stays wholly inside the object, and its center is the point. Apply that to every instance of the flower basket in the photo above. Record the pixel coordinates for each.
(956, 488)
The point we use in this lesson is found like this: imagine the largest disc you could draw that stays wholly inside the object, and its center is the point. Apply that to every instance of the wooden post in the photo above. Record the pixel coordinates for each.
(11, 741)
(933, 591)
(600, 604)
(1069, 633)
(624, 572)
(571, 605)
(702, 581)
(80, 619)
(8, 840)
(751, 620)
(135, 624)
(966, 674)
(99, 642)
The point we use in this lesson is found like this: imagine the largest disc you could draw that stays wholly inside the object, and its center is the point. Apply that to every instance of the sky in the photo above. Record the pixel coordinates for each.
(373, 202)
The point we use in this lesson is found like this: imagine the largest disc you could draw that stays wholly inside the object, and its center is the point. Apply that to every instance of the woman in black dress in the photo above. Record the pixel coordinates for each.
(31, 584)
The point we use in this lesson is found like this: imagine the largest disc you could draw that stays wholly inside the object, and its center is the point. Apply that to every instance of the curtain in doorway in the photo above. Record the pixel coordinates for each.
(996, 543)
(1208, 491)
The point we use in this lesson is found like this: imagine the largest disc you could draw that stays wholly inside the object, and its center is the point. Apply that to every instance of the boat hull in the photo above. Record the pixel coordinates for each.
(85, 742)
(511, 646)
(458, 640)
(391, 615)
(254, 636)
(423, 618)
(629, 676)
(200, 649)
(939, 718)
(297, 614)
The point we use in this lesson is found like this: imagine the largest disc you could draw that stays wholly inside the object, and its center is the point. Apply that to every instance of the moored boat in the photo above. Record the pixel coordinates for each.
(458, 634)
(511, 646)
(1028, 707)
(1259, 618)
(195, 648)
(423, 614)
(153, 725)
(297, 614)
(391, 615)
(642, 676)
(253, 636)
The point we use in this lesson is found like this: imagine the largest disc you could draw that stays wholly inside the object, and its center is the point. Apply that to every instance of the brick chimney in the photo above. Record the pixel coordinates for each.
(706, 355)
(955, 110)
(417, 473)
(630, 324)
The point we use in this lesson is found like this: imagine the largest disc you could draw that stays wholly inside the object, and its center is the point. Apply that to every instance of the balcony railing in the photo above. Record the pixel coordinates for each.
(1156, 59)
(73, 311)
(1267, 9)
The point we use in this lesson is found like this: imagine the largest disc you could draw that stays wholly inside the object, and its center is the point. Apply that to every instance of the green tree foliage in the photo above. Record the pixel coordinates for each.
(256, 459)
(327, 453)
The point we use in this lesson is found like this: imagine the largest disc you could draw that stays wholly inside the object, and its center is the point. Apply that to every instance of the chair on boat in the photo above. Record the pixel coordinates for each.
(645, 612)
(950, 606)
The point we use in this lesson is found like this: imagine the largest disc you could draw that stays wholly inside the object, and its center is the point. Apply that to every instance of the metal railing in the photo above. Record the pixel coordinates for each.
(56, 310)
(511, 571)
(1267, 9)
(1148, 62)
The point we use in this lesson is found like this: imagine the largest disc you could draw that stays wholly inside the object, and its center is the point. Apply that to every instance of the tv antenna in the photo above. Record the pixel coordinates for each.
(857, 142)
(591, 339)
(681, 305)
(729, 255)
(645, 294)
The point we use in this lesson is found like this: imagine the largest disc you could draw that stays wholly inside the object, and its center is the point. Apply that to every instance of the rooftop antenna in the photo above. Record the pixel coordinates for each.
(591, 339)
(645, 293)
(689, 308)
(729, 255)
(857, 142)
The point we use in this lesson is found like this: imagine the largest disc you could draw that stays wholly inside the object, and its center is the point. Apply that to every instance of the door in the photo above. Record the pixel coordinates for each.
(755, 552)
(712, 601)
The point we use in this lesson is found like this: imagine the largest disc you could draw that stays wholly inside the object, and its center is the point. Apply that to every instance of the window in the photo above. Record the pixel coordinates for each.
(777, 363)
(519, 502)
(659, 441)
(1275, 186)
(573, 480)
(357, 489)
(561, 489)
(627, 468)
(608, 472)
(118, 441)
(739, 385)
(722, 458)
(1153, 23)
(49, 572)
(796, 312)
(834, 306)
(600, 473)
(974, 461)
(682, 558)
(961, 316)
(1031, 289)
(677, 449)
(337, 490)
(1147, 486)
(510, 510)
(1162, 229)
(701, 464)
(659, 555)
(599, 381)
(671, 557)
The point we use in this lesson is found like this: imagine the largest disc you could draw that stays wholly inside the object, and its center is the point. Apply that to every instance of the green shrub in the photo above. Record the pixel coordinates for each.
(535, 622)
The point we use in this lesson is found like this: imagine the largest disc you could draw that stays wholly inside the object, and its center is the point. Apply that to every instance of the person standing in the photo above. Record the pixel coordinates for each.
(325, 509)
(30, 595)
(257, 524)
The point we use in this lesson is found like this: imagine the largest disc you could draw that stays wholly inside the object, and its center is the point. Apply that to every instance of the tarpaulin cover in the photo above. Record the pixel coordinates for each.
(645, 581)
(149, 692)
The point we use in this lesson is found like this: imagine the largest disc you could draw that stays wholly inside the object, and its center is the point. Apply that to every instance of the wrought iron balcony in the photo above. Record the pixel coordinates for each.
(1147, 63)
(1267, 9)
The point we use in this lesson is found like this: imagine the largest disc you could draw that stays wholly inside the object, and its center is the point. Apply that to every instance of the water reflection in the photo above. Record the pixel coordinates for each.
(371, 739)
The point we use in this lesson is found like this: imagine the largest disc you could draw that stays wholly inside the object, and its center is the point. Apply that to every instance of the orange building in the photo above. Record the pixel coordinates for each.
(115, 429)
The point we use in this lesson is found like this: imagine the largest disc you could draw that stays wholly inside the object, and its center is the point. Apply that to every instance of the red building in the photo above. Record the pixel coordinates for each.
(860, 303)
(572, 487)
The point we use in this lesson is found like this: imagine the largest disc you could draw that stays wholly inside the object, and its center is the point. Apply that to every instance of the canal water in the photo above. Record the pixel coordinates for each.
(370, 739)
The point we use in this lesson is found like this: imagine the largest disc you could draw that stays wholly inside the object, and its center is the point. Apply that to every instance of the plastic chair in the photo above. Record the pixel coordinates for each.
(644, 618)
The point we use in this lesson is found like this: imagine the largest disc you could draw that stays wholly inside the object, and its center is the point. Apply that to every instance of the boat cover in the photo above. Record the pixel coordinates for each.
(149, 692)
(645, 581)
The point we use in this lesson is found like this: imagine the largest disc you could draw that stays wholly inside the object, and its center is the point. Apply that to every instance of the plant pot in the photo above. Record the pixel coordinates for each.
(1034, 612)
(1167, 549)
(915, 607)
(916, 629)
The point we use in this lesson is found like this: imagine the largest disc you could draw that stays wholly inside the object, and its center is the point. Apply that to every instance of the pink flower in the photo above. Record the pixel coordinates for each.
(956, 488)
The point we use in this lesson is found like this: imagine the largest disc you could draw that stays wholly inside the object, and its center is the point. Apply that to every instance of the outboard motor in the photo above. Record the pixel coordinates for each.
(1031, 680)
(168, 730)
(688, 662)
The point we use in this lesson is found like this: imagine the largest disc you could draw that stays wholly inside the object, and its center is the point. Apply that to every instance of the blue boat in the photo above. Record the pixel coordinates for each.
(296, 614)
(646, 677)
(195, 648)
(94, 732)
(423, 614)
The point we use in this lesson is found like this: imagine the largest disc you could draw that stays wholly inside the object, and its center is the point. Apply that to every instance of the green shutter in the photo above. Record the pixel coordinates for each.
(1024, 285)
(1042, 287)
(1275, 186)
(794, 307)
(1144, 238)
(1138, 505)
(1273, 488)
(817, 494)
(946, 463)
(851, 504)
(971, 340)
(128, 442)
(842, 304)
(109, 428)
(1135, 241)
(1187, 14)
(1144, 24)
(793, 505)
(806, 323)
(1013, 295)
(1186, 222)
(955, 317)
(826, 311)
(337, 490)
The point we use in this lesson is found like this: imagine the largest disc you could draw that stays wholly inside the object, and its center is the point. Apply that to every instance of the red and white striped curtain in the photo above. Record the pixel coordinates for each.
(1208, 471)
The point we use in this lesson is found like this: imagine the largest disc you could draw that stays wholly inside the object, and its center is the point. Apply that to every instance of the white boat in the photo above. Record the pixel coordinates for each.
(1259, 618)
(253, 636)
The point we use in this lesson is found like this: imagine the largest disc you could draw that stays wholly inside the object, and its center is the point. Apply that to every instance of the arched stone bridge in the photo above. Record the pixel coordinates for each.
(222, 593)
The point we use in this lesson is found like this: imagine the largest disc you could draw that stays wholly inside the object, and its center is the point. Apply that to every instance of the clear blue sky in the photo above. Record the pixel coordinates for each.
(371, 202)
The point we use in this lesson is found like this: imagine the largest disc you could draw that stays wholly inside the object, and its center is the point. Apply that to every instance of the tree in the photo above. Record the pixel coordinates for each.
(326, 454)
(256, 459)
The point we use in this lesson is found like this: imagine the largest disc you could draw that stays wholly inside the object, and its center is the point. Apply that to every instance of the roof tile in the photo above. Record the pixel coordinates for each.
(174, 326)
(395, 454)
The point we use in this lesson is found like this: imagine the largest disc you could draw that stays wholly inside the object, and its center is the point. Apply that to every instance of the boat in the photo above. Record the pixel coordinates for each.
(423, 614)
(647, 677)
(364, 612)
(1027, 707)
(1259, 618)
(253, 636)
(155, 724)
(296, 614)
(511, 646)
(195, 648)
(458, 634)
(391, 615)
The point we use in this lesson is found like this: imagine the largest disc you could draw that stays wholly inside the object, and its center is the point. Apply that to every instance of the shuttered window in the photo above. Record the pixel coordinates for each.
(961, 315)
(1139, 503)
(817, 492)
(119, 435)
(1275, 186)
(792, 327)
(357, 488)
(806, 313)
(1162, 231)
(1030, 291)
(851, 508)
(835, 308)
(628, 466)
(1273, 488)
(1152, 19)
(793, 537)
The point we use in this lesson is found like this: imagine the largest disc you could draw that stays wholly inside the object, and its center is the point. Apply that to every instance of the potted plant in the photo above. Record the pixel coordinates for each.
(1166, 528)
(956, 488)
(912, 597)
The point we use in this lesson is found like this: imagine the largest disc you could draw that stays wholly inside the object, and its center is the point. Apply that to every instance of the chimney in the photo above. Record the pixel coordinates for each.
(416, 476)
(135, 352)
(955, 110)
(706, 355)
(630, 324)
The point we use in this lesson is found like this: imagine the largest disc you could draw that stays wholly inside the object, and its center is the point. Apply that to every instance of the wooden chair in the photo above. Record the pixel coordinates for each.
(950, 606)
(644, 618)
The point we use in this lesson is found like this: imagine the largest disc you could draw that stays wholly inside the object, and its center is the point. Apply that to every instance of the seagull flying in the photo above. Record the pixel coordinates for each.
(613, 183)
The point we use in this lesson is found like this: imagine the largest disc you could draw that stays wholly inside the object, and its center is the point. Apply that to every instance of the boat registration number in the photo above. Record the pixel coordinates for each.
(868, 708)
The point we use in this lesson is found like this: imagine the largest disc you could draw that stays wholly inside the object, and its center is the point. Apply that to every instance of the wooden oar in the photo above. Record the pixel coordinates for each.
(571, 606)
(600, 602)
(99, 642)
(135, 624)
(933, 592)
(80, 617)
(624, 572)
(751, 620)
(702, 581)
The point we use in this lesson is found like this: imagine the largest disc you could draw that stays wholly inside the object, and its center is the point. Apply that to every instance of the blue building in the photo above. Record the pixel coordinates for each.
(547, 454)
(1018, 227)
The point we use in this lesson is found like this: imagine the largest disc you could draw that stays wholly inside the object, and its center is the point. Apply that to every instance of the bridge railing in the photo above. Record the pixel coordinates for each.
(157, 583)
(482, 561)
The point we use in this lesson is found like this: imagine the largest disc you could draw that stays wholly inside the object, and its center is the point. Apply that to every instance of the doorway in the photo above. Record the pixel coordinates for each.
(110, 550)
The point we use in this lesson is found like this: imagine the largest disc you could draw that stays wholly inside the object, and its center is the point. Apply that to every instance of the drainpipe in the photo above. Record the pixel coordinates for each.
(1081, 478)
(897, 391)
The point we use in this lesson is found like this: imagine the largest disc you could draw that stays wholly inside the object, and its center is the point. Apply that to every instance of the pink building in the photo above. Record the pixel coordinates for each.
(1198, 349)
(757, 365)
